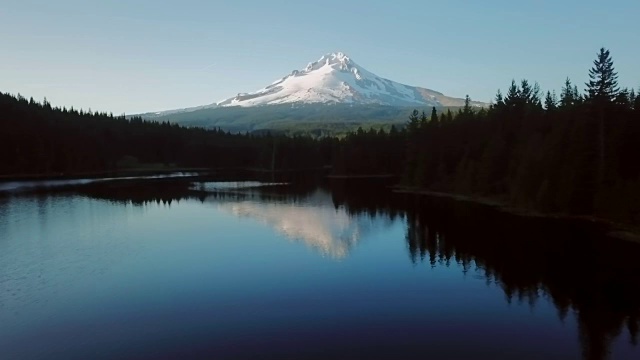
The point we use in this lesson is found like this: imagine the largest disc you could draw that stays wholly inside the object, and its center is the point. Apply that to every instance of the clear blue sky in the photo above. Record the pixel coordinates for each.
(142, 55)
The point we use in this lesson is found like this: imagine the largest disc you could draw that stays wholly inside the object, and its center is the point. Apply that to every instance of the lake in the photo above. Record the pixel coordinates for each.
(339, 270)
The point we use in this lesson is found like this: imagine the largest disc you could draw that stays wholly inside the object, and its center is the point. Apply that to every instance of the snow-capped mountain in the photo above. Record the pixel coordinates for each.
(335, 78)
(333, 90)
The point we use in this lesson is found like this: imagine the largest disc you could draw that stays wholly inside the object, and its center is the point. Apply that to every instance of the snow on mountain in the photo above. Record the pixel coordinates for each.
(335, 78)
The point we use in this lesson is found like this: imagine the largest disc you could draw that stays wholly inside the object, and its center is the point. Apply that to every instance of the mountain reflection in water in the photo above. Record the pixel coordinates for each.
(313, 220)
(569, 263)
(570, 268)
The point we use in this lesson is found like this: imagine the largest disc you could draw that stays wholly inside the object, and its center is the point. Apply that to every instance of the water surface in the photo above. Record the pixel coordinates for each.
(248, 270)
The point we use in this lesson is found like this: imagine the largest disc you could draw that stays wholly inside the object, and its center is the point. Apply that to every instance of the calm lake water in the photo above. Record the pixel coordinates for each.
(270, 271)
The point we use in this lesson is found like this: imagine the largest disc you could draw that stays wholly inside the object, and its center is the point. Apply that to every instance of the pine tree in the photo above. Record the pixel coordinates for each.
(499, 100)
(467, 106)
(550, 101)
(567, 96)
(449, 116)
(526, 91)
(535, 99)
(434, 115)
(602, 90)
(513, 95)
(414, 122)
(423, 119)
(576, 95)
(603, 84)
(623, 98)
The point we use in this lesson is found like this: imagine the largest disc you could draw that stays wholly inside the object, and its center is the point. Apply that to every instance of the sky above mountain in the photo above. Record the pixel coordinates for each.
(138, 56)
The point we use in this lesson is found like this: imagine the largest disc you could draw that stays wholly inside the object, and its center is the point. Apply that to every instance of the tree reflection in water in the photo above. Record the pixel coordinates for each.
(571, 263)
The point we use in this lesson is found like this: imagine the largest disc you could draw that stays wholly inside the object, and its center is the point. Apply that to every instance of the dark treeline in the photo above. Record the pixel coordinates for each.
(370, 152)
(38, 139)
(573, 153)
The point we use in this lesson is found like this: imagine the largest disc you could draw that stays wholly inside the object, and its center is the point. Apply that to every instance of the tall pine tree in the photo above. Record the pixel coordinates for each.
(434, 115)
(603, 80)
(602, 89)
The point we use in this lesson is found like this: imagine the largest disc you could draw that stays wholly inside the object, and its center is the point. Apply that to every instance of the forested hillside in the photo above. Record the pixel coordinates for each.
(576, 153)
(37, 139)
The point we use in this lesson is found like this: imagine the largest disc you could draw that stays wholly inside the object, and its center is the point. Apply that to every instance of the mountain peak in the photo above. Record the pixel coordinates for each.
(338, 55)
(338, 59)
(335, 78)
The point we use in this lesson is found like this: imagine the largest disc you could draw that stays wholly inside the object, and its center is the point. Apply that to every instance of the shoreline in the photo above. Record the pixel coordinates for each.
(98, 174)
(365, 176)
(616, 230)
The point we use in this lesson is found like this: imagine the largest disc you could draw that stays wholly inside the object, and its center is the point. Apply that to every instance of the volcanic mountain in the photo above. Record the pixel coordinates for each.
(335, 78)
(333, 89)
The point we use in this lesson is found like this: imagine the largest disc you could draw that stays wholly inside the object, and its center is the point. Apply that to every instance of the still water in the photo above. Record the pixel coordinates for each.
(271, 271)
